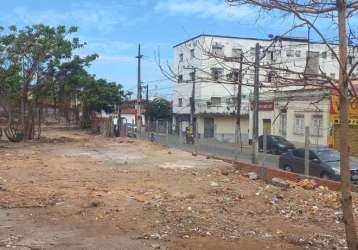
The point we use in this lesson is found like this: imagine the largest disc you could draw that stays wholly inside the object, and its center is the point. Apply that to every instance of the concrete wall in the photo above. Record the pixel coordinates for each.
(225, 128)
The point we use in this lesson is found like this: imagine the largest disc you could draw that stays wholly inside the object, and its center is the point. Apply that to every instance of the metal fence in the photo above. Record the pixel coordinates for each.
(219, 145)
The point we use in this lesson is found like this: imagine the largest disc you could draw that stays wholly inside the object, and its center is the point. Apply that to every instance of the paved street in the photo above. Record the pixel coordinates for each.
(219, 149)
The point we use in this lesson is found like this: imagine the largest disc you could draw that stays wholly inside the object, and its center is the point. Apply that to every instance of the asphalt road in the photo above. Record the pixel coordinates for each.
(214, 148)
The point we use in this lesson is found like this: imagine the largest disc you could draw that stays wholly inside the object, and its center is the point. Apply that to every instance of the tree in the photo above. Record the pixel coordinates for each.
(33, 50)
(97, 95)
(159, 108)
(38, 67)
(338, 13)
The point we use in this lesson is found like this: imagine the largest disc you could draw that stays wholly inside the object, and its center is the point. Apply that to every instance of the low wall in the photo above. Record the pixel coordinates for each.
(267, 173)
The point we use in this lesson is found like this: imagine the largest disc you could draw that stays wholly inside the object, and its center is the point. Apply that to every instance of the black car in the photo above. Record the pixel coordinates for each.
(275, 144)
(323, 163)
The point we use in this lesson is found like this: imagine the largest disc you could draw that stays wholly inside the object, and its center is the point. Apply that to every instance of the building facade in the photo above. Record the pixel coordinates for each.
(288, 113)
(129, 112)
(208, 67)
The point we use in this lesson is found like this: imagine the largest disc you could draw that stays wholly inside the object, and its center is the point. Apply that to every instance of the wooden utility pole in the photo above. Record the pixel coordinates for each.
(238, 138)
(350, 228)
(255, 130)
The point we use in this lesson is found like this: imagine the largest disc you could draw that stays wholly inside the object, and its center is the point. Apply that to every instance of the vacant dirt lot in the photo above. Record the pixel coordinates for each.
(72, 190)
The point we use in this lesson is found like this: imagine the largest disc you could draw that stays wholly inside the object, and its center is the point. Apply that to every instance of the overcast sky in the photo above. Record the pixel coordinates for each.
(113, 29)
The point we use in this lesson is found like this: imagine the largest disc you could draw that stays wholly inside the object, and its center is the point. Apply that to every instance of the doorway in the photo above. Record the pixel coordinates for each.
(266, 126)
(208, 127)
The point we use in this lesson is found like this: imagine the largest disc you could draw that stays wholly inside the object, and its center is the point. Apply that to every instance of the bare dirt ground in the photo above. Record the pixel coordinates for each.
(72, 190)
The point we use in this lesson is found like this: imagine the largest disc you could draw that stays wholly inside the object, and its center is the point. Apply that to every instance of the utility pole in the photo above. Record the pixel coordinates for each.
(147, 106)
(238, 114)
(255, 130)
(307, 151)
(192, 98)
(147, 94)
(139, 91)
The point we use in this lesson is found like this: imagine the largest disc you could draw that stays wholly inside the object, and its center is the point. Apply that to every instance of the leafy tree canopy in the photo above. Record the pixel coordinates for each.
(159, 108)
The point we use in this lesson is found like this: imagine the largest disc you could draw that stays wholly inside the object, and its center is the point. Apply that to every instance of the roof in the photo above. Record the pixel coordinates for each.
(283, 38)
(220, 36)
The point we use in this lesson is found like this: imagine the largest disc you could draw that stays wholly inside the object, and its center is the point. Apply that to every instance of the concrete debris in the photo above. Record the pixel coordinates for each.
(155, 246)
(225, 172)
(278, 182)
(252, 175)
(214, 184)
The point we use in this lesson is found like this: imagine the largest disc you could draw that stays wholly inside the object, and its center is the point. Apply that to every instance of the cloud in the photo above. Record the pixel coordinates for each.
(204, 9)
(87, 16)
(110, 59)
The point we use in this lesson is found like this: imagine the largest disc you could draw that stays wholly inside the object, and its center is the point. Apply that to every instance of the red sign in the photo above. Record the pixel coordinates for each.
(264, 106)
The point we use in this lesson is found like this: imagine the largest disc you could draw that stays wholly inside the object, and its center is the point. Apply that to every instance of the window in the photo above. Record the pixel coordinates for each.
(233, 75)
(333, 56)
(298, 53)
(269, 76)
(300, 153)
(290, 53)
(192, 53)
(192, 76)
(317, 125)
(324, 54)
(215, 101)
(283, 125)
(181, 57)
(350, 59)
(218, 49)
(180, 102)
(272, 57)
(216, 73)
(252, 51)
(231, 101)
(299, 124)
(236, 52)
(180, 78)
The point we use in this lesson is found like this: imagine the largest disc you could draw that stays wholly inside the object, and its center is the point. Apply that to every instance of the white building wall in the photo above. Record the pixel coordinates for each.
(130, 118)
(206, 88)
(305, 107)
(289, 53)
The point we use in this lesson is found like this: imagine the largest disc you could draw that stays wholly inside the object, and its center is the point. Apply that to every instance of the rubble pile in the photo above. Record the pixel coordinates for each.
(226, 212)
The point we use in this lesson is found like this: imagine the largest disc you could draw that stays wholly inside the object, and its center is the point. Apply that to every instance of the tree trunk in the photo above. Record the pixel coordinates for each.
(39, 122)
(350, 228)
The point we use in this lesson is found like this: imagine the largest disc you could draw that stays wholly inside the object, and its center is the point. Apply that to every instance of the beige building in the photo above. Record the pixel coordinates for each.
(287, 113)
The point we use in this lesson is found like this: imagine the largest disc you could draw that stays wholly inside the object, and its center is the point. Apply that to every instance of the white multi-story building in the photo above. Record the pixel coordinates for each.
(215, 59)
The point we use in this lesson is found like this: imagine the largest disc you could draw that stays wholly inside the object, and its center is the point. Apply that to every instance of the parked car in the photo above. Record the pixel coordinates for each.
(323, 163)
(275, 144)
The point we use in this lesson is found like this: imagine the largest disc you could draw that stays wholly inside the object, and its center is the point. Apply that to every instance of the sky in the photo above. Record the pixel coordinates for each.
(114, 28)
